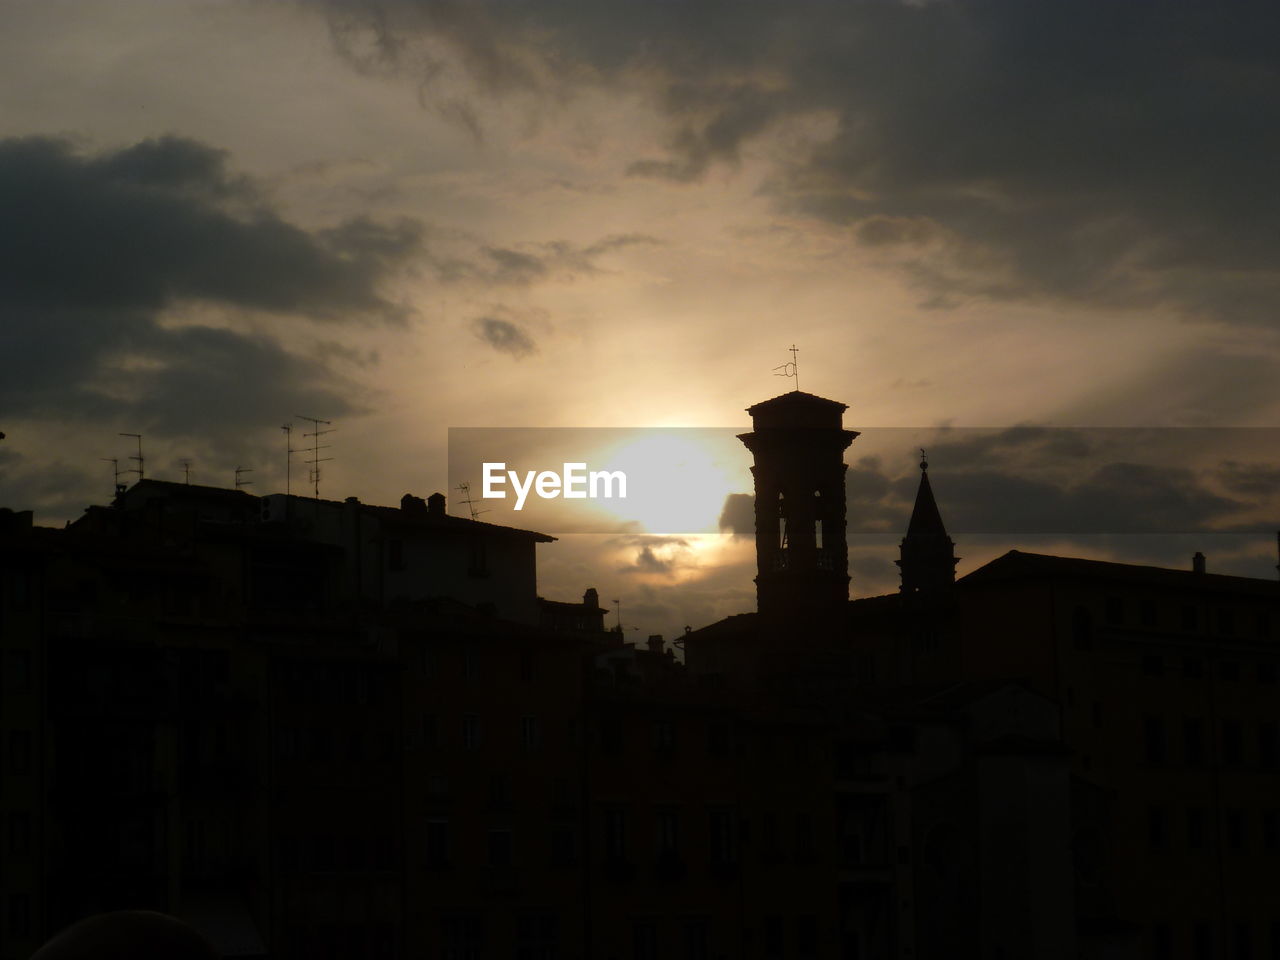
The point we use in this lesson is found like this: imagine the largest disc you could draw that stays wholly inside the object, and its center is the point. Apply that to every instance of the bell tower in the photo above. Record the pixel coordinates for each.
(927, 557)
(802, 560)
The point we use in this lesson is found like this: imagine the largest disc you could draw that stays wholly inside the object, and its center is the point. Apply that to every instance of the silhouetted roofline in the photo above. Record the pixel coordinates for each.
(793, 397)
(191, 490)
(425, 519)
(1020, 565)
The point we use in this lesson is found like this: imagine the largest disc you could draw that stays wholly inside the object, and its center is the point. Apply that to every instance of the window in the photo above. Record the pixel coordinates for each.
(1193, 741)
(537, 937)
(644, 940)
(1196, 819)
(462, 937)
(1115, 610)
(697, 938)
(1161, 942)
(1235, 829)
(19, 916)
(499, 792)
(19, 833)
(1202, 940)
(1082, 629)
(804, 838)
(17, 671)
(19, 751)
(1157, 828)
(1266, 673)
(664, 736)
(806, 937)
(1242, 941)
(1268, 745)
(437, 843)
(395, 554)
(1271, 835)
(564, 846)
(1232, 743)
(1227, 623)
(1229, 670)
(615, 834)
(770, 848)
(718, 739)
(470, 666)
(1190, 619)
(437, 787)
(500, 847)
(1148, 613)
(470, 731)
(773, 939)
(1193, 668)
(723, 850)
(1153, 665)
(667, 824)
(1153, 739)
(529, 734)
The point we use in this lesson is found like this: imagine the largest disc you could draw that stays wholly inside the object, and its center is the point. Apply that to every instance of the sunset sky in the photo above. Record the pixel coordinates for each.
(411, 216)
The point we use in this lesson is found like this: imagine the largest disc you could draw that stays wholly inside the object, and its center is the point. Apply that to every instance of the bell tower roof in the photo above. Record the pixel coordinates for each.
(926, 520)
(797, 409)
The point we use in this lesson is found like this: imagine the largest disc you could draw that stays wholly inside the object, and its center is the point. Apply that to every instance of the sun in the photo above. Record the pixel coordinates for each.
(677, 479)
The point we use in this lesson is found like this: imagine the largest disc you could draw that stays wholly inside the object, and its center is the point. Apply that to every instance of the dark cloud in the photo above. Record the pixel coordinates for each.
(738, 515)
(533, 262)
(504, 336)
(100, 253)
(1030, 481)
(1099, 152)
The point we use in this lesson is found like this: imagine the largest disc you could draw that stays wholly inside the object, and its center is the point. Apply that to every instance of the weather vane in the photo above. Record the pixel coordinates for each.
(790, 369)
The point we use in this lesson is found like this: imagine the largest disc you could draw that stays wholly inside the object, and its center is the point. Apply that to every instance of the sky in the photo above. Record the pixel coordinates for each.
(1056, 222)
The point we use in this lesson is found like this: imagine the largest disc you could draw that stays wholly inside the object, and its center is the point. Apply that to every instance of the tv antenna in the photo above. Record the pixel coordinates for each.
(465, 489)
(240, 471)
(790, 369)
(138, 458)
(186, 470)
(289, 451)
(115, 473)
(316, 447)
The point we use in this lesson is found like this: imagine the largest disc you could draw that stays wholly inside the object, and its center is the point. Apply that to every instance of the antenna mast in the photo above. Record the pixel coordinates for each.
(138, 470)
(115, 473)
(316, 447)
(465, 489)
(288, 457)
(186, 470)
(243, 483)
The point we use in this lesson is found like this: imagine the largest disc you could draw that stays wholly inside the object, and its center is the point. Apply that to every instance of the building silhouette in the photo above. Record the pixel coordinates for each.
(330, 729)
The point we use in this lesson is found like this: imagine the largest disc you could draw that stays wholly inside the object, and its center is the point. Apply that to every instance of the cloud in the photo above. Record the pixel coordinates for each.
(530, 263)
(101, 255)
(504, 336)
(1095, 152)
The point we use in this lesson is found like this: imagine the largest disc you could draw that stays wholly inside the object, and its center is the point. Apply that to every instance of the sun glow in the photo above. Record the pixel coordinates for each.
(678, 479)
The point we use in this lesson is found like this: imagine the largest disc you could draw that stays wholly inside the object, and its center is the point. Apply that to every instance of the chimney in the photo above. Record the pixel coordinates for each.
(655, 643)
(591, 599)
(1197, 562)
(436, 505)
